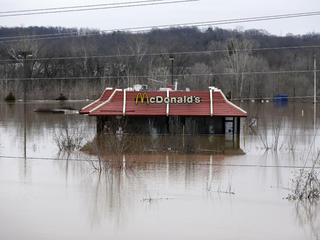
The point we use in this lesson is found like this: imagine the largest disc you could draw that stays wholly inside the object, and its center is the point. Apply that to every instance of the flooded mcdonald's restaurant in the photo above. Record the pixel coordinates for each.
(196, 120)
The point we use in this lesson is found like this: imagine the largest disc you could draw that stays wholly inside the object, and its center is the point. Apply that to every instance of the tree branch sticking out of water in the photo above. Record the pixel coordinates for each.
(307, 183)
(269, 135)
(69, 139)
(227, 190)
(276, 129)
(111, 148)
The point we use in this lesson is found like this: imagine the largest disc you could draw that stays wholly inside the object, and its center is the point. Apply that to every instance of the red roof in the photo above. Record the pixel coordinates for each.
(128, 103)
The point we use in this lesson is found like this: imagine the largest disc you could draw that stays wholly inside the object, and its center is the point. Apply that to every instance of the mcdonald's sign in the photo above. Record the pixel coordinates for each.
(172, 100)
(142, 96)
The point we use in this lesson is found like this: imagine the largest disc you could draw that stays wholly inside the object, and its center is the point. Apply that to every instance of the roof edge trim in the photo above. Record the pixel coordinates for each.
(230, 103)
(111, 96)
(90, 104)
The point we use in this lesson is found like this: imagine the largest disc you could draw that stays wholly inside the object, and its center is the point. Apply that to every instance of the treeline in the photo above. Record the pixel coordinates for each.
(79, 64)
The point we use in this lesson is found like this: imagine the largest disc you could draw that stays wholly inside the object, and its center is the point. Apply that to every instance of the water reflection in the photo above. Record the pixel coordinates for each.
(307, 216)
(147, 180)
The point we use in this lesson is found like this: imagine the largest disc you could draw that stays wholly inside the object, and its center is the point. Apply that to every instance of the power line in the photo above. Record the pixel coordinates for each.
(148, 28)
(169, 75)
(269, 98)
(66, 9)
(163, 54)
(264, 98)
(162, 163)
(272, 97)
(78, 6)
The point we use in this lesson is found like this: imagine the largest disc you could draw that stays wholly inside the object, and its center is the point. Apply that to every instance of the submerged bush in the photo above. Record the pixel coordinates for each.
(10, 97)
(306, 186)
(69, 140)
(62, 97)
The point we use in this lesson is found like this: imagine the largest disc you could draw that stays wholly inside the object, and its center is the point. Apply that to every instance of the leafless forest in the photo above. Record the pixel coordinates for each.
(250, 63)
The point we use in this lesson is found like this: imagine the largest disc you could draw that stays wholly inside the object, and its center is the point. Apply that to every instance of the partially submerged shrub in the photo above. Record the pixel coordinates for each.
(10, 97)
(62, 97)
(69, 140)
(306, 186)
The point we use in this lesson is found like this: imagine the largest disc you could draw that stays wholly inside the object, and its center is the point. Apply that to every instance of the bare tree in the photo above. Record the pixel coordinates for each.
(237, 60)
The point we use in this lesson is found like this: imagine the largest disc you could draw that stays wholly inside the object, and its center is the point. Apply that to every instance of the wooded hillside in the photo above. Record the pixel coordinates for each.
(82, 65)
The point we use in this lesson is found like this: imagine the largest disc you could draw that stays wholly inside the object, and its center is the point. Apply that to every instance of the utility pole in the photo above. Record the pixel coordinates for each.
(24, 55)
(171, 58)
(6, 81)
(314, 93)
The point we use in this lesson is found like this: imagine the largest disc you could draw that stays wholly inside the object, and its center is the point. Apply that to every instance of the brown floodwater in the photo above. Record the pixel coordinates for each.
(165, 195)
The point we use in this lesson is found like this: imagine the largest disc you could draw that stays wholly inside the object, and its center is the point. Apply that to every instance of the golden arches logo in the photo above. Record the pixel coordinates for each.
(142, 96)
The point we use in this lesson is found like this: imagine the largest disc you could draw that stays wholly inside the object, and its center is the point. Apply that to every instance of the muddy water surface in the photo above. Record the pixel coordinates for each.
(55, 195)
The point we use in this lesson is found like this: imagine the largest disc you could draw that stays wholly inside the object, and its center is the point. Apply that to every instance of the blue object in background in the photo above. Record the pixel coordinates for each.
(281, 100)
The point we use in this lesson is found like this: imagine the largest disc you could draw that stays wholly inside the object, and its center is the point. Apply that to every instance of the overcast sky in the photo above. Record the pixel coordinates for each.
(203, 10)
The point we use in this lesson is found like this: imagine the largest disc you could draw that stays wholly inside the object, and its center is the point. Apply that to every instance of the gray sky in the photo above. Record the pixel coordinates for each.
(203, 10)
